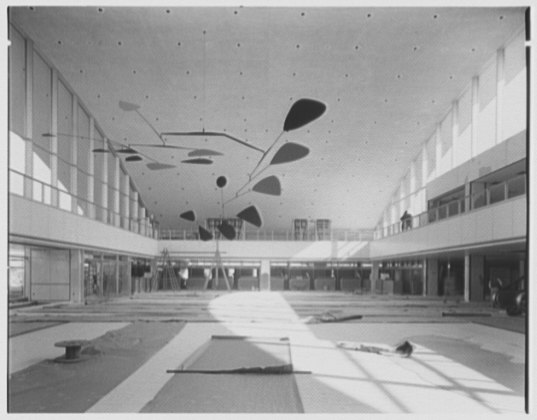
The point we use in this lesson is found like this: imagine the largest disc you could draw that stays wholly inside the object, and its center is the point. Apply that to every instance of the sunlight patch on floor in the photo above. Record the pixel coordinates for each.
(425, 382)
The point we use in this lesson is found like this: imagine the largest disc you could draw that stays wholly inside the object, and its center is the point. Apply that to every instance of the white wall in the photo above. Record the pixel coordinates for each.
(31, 220)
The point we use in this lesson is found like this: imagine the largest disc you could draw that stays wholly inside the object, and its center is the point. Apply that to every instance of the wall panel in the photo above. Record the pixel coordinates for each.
(17, 81)
(486, 128)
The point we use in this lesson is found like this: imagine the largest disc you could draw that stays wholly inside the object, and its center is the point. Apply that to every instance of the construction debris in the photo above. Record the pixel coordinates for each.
(404, 349)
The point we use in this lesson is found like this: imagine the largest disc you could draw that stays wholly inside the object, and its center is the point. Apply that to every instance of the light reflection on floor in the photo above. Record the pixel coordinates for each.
(426, 382)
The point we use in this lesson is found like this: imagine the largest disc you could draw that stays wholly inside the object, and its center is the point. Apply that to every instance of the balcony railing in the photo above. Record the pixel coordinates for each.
(278, 235)
(510, 188)
(52, 196)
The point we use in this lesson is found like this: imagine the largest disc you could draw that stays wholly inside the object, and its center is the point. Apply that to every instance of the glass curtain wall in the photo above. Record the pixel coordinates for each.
(51, 159)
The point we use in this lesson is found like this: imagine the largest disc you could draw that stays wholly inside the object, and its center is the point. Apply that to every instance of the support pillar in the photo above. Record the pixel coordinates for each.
(104, 189)
(125, 196)
(73, 190)
(115, 199)
(475, 116)
(424, 165)
(521, 267)
(54, 199)
(28, 125)
(374, 277)
(117, 275)
(500, 87)
(432, 277)
(76, 275)
(454, 132)
(135, 214)
(91, 171)
(467, 277)
(264, 282)
(477, 278)
(437, 150)
(141, 220)
(424, 278)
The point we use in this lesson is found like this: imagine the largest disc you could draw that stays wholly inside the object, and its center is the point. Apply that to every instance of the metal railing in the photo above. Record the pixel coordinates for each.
(52, 196)
(278, 235)
(510, 188)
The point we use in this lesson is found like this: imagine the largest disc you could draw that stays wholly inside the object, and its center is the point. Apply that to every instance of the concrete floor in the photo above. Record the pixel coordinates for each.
(468, 358)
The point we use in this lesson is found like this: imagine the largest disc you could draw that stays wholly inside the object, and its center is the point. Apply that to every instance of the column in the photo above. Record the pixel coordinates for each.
(401, 197)
(467, 277)
(141, 220)
(374, 277)
(54, 140)
(117, 275)
(27, 272)
(125, 195)
(500, 85)
(437, 149)
(467, 192)
(115, 183)
(522, 267)
(76, 264)
(454, 131)
(104, 189)
(432, 277)
(424, 278)
(264, 282)
(424, 165)
(28, 126)
(412, 178)
(477, 278)
(129, 276)
(475, 116)
(91, 170)
(73, 190)
(135, 212)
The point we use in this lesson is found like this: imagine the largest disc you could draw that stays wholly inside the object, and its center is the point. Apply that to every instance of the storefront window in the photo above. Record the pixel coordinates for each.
(17, 271)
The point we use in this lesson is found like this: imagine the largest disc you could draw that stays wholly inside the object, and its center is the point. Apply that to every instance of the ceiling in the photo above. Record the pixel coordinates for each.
(386, 75)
